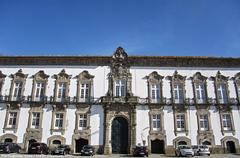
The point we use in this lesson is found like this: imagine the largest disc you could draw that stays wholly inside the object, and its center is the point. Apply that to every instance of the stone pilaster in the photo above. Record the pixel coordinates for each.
(133, 129)
(107, 142)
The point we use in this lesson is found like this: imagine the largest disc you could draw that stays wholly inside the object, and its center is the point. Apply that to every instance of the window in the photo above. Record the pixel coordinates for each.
(155, 93)
(120, 88)
(238, 92)
(222, 93)
(12, 119)
(17, 90)
(200, 93)
(82, 121)
(180, 120)
(61, 91)
(35, 120)
(84, 91)
(156, 122)
(59, 120)
(39, 93)
(226, 121)
(203, 122)
(1, 85)
(178, 93)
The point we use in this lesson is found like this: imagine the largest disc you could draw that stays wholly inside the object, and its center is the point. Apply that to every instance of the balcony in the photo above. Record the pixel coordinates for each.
(84, 100)
(110, 99)
(18, 99)
(63, 100)
(43, 99)
(179, 101)
(3, 99)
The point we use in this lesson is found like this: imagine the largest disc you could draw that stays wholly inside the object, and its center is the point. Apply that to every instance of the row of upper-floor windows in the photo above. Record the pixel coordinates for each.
(84, 90)
(200, 92)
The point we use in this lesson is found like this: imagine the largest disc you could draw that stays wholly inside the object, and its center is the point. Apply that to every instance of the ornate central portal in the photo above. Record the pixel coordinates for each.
(119, 107)
(119, 128)
(119, 135)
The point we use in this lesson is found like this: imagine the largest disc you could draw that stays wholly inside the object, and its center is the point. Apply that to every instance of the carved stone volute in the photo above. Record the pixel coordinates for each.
(19, 75)
(40, 76)
(219, 77)
(62, 76)
(119, 63)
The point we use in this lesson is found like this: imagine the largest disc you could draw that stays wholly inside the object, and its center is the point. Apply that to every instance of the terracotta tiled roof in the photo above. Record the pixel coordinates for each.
(162, 61)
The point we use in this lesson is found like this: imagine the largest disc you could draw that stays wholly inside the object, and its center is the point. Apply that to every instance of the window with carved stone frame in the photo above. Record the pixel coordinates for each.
(17, 85)
(154, 82)
(204, 121)
(177, 88)
(156, 121)
(221, 88)
(199, 88)
(82, 122)
(2, 79)
(35, 118)
(180, 122)
(120, 88)
(84, 87)
(59, 114)
(236, 80)
(61, 90)
(40, 80)
(226, 121)
(12, 118)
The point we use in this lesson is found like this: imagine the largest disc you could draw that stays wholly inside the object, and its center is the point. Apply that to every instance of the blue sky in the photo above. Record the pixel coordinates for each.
(141, 27)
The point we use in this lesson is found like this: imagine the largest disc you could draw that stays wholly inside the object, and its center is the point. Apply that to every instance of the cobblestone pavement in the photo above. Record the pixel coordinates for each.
(111, 156)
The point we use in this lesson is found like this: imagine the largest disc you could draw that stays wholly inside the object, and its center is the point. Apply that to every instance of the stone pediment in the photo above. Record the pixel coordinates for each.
(154, 77)
(19, 75)
(84, 76)
(2, 75)
(176, 77)
(40, 75)
(219, 77)
(236, 78)
(198, 77)
(62, 76)
(119, 64)
(120, 56)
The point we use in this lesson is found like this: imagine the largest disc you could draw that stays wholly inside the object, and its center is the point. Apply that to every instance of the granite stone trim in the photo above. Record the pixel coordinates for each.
(224, 141)
(8, 136)
(11, 108)
(181, 138)
(55, 137)
(39, 77)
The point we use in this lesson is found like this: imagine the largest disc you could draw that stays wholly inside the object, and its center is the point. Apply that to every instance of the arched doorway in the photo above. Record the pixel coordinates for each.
(157, 146)
(206, 143)
(31, 141)
(231, 147)
(182, 143)
(79, 144)
(8, 140)
(56, 142)
(119, 137)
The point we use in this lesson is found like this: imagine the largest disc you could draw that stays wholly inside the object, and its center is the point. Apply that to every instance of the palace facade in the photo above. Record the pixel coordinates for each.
(115, 103)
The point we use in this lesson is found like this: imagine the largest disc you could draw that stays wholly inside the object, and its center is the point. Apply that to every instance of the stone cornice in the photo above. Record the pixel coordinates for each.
(146, 61)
